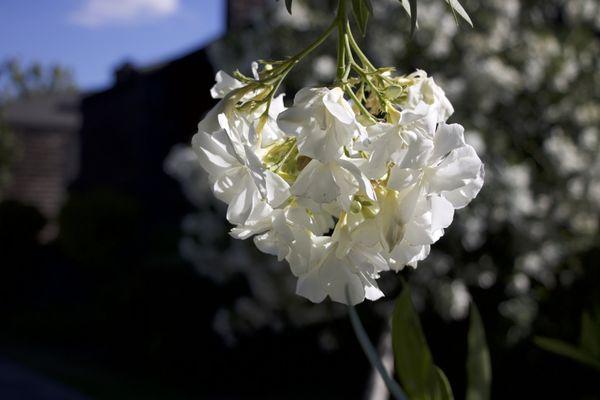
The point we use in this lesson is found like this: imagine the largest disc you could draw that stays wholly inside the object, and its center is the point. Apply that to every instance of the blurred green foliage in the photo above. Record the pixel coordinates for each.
(588, 350)
(18, 80)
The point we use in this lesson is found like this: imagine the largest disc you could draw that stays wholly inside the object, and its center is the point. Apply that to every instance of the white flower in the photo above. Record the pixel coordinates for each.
(404, 144)
(326, 267)
(349, 279)
(451, 170)
(323, 121)
(424, 89)
(224, 85)
(237, 173)
(224, 113)
(335, 181)
(288, 225)
(338, 201)
(425, 190)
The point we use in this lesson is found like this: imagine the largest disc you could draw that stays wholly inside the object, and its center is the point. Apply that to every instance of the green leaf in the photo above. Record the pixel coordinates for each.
(414, 365)
(288, 5)
(443, 386)
(455, 6)
(479, 369)
(590, 334)
(406, 6)
(413, 16)
(567, 350)
(362, 9)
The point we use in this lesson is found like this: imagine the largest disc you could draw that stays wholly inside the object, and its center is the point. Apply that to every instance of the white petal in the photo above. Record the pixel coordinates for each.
(309, 286)
(258, 220)
(225, 84)
(229, 184)
(214, 152)
(241, 204)
(316, 182)
(403, 253)
(346, 184)
(353, 167)
(319, 144)
(447, 138)
(338, 107)
(294, 120)
(256, 170)
(419, 149)
(271, 132)
(378, 160)
(456, 170)
(278, 190)
(402, 178)
(462, 196)
(407, 203)
(339, 282)
(210, 121)
(442, 212)
(267, 243)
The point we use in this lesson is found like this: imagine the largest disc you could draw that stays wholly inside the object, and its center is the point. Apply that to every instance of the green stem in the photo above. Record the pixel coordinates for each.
(359, 103)
(363, 58)
(393, 386)
(316, 43)
(341, 50)
(277, 76)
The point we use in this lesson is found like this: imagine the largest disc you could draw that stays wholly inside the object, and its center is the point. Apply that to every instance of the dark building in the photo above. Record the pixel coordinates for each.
(128, 130)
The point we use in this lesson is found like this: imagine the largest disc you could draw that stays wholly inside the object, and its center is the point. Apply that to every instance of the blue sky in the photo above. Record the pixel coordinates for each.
(92, 36)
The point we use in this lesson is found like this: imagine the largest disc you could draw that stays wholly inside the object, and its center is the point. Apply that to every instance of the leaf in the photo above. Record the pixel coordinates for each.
(414, 365)
(443, 386)
(455, 5)
(362, 9)
(590, 334)
(288, 5)
(479, 369)
(413, 16)
(567, 350)
(406, 6)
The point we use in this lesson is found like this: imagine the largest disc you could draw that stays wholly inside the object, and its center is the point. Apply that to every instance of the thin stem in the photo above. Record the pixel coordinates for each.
(277, 77)
(350, 58)
(393, 386)
(316, 43)
(287, 66)
(359, 103)
(357, 49)
(348, 49)
(341, 50)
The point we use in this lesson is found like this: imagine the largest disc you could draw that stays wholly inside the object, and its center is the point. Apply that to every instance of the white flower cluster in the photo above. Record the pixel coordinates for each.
(339, 197)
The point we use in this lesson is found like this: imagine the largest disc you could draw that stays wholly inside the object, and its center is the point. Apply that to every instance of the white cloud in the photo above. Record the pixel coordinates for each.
(95, 13)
